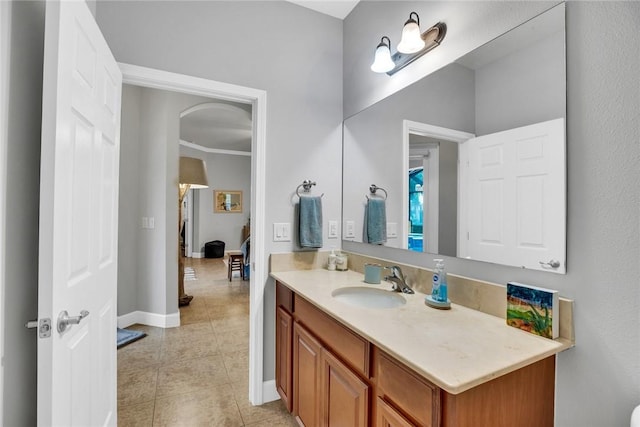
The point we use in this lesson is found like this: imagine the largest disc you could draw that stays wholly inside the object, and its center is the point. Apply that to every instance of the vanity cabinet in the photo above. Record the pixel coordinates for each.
(328, 375)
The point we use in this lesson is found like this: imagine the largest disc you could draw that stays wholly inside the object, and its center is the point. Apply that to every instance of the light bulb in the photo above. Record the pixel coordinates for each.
(411, 41)
(382, 62)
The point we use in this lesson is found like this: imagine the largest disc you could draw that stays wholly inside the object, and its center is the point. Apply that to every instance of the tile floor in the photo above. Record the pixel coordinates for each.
(197, 374)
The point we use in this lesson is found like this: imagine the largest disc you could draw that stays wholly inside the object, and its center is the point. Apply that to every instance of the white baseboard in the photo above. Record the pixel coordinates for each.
(197, 255)
(149, 319)
(269, 392)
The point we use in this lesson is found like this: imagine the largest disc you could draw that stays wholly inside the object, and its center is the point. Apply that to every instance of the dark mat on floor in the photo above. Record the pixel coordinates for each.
(127, 336)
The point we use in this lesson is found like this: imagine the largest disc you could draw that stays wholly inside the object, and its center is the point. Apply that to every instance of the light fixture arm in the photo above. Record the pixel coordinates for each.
(417, 20)
(382, 43)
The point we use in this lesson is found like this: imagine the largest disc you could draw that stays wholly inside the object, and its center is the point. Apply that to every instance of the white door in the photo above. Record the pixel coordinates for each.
(516, 197)
(78, 220)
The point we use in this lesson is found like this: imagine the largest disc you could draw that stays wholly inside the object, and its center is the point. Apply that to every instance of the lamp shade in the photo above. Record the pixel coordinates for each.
(193, 172)
(382, 61)
(411, 41)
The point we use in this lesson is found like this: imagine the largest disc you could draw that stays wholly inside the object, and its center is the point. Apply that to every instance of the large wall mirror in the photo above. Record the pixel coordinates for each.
(470, 160)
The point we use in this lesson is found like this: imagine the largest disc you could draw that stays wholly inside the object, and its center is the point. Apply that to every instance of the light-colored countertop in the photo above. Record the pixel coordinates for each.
(455, 349)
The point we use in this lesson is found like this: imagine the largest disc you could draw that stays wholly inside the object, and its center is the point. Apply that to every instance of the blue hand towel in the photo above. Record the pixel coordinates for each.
(375, 221)
(310, 222)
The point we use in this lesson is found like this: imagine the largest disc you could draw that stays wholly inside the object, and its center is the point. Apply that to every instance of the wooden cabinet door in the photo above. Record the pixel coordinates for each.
(306, 377)
(345, 397)
(284, 354)
(387, 416)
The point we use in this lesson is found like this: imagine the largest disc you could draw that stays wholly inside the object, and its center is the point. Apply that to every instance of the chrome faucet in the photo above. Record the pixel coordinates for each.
(397, 278)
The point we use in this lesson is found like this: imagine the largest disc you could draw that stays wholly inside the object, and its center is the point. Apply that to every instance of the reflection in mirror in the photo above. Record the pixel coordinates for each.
(473, 155)
(432, 195)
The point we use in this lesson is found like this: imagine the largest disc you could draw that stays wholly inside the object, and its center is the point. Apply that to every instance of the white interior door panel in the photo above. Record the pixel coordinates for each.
(516, 199)
(78, 220)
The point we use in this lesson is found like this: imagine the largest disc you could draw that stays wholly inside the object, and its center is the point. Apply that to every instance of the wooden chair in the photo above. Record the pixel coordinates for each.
(235, 264)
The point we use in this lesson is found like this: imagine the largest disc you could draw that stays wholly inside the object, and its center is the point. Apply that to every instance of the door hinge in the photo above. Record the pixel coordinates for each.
(44, 327)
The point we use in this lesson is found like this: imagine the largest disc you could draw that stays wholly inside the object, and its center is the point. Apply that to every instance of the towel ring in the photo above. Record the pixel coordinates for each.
(374, 188)
(306, 185)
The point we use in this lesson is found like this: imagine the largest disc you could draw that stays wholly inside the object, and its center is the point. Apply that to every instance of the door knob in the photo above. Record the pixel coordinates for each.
(551, 264)
(64, 320)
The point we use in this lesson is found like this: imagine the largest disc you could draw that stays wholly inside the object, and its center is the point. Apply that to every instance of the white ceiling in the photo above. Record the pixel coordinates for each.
(336, 8)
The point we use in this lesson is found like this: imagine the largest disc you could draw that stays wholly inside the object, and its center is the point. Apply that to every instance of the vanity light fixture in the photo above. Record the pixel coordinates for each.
(382, 62)
(412, 46)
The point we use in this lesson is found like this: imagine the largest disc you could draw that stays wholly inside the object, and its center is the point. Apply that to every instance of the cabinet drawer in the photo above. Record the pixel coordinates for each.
(414, 396)
(352, 348)
(284, 297)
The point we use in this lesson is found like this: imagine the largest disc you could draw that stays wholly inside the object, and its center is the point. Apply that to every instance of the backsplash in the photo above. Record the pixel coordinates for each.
(487, 297)
(305, 260)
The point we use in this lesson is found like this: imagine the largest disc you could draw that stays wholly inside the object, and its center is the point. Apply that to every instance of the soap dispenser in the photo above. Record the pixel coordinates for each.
(439, 291)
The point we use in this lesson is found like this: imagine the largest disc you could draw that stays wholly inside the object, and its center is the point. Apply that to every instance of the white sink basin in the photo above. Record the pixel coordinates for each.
(368, 297)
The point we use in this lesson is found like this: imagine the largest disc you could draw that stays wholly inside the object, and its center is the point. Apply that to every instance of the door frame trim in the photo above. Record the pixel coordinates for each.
(164, 80)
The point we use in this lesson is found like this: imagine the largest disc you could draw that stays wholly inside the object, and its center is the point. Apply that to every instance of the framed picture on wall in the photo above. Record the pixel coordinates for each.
(226, 201)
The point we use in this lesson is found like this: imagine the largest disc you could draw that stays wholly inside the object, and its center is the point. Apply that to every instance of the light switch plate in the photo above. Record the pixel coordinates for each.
(281, 232)
(350, 230)
(333, 230)
(392, 230)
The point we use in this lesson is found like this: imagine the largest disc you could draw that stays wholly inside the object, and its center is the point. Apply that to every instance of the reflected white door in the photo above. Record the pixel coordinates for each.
(78, 220)
(516, 197)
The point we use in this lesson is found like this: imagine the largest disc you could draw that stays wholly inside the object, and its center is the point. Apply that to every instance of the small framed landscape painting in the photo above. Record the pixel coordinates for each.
(533, 309)
(226, 201)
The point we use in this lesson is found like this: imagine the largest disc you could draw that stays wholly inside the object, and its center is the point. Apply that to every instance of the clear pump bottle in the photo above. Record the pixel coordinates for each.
(439, 291)
(442, 295)
(435, 286)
